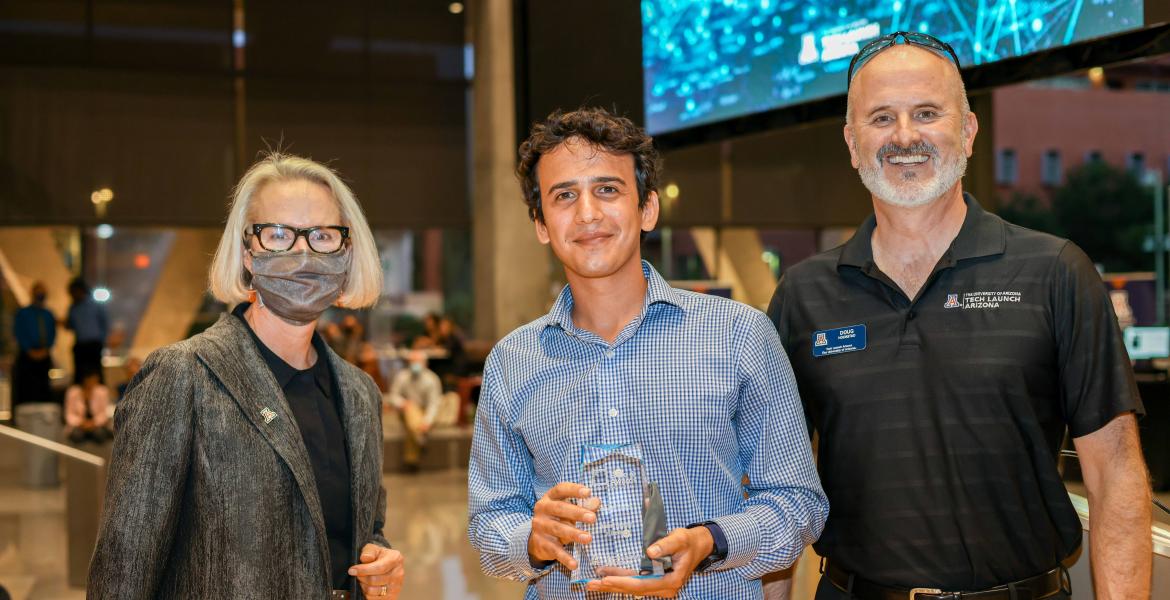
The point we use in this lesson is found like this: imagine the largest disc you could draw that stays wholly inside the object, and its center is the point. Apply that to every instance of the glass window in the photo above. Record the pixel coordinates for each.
(1007, 167)
(1136, 163)
(1051, 172)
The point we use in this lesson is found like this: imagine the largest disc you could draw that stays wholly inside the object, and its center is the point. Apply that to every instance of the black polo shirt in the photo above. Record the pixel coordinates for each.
(941, 417)
(312, 396)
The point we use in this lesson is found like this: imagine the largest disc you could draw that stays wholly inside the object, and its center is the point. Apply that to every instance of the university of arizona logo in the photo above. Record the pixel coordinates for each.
(821, 340)
(952, 301)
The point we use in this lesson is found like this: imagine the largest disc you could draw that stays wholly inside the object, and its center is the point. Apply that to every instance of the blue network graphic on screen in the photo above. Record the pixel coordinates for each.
(709, 60)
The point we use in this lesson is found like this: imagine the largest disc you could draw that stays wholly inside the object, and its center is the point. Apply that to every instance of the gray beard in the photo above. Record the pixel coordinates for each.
(912, 192)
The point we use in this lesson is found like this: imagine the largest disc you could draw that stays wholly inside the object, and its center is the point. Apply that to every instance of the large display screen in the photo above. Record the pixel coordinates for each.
(1147, 342)
(710, 60)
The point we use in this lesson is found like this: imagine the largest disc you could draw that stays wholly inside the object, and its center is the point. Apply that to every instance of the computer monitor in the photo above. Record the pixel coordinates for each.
(1145, 343)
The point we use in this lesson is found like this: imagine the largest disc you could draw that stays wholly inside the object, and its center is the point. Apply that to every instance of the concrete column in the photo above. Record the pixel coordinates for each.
(733, 256)
(178, 294)
(512, 270)
(431, 261)
(980, 178)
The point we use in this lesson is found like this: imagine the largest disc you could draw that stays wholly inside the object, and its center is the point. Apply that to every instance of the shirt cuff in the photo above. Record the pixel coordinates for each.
(379, 539)
(518, 553)
(743, 540)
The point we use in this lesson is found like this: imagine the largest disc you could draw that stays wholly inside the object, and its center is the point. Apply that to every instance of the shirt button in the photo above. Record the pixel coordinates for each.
(618, 473)
(613, 412)
(626, 533)
(911, 315)
(609, 353)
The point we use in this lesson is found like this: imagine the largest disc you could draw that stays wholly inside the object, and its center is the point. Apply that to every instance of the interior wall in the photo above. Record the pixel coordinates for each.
(165, 103)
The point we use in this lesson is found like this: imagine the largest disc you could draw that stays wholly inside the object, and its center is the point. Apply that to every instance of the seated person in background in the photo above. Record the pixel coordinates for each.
(430, 335)
(417, 393)
(133, 365)
(353, 336)
(367, 360)
(87, 414)
(331, 333)
(451, 340)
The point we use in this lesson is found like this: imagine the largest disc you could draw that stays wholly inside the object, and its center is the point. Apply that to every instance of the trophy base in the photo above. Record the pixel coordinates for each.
(648, 569)
(584, 581)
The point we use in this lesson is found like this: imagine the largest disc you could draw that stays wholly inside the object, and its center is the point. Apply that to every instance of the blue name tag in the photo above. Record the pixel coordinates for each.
(828, 342)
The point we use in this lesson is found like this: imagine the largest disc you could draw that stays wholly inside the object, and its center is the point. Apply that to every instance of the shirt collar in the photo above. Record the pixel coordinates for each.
(657, 291)
(281, 370)
(982, 234)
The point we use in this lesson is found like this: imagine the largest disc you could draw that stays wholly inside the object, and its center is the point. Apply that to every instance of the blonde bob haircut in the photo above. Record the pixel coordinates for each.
(228, 279)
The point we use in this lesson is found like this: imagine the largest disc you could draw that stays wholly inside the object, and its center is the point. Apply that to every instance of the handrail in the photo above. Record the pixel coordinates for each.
(56, 447)
(85, 488)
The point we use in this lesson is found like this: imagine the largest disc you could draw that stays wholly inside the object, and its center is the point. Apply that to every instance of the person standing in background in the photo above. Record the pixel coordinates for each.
(89, 323)
(35, 329)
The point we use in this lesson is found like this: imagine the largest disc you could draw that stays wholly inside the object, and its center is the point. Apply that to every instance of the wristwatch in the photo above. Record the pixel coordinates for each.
(718, 547)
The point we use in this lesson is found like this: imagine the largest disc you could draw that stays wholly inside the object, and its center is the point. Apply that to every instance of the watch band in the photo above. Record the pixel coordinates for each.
(718, 546)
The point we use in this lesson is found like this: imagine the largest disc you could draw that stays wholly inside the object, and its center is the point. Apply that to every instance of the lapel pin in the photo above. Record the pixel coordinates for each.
(268, 414)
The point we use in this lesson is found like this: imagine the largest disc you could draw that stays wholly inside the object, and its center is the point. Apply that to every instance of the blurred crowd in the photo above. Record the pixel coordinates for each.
(425, 376)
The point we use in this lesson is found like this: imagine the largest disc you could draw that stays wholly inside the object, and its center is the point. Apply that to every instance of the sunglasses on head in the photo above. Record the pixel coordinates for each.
(923, 40)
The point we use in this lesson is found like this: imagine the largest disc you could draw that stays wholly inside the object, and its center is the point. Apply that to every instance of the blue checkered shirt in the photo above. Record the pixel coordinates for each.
(701, 383)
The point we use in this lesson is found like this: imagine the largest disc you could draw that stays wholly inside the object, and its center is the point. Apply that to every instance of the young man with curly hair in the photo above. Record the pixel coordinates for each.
(698, 384)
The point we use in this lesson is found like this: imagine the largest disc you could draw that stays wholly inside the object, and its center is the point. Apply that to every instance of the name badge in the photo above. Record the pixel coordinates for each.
(828, 342)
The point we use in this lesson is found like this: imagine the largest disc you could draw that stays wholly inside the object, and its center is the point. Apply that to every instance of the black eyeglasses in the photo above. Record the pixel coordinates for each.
(929, 42)
(325, 239)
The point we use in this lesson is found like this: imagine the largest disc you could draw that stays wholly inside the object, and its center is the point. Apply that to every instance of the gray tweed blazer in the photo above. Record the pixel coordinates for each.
(210, 492)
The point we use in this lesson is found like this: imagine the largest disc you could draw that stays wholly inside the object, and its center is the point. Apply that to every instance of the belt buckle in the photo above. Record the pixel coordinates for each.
(915, 591)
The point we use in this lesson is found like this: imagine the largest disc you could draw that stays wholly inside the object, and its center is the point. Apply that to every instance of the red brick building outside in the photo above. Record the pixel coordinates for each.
(1044, 129)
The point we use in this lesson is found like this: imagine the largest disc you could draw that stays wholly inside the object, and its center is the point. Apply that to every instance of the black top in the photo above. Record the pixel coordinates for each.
(941, 418)
(316, 406)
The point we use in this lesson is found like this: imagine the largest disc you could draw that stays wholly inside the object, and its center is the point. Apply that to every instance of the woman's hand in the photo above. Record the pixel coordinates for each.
(381, 572)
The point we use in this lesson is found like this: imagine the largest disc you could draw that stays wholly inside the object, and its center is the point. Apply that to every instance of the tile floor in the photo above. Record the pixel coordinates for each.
(427, 521)
(440, 563)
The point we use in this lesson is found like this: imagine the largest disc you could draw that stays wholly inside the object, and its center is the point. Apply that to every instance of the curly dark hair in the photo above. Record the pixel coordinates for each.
(600, 129)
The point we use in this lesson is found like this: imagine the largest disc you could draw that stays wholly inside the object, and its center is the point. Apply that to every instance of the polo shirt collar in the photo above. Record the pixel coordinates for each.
(982, 234)
(658, 291)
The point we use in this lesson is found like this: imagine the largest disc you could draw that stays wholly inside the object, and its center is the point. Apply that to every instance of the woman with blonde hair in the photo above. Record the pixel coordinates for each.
(249, 457)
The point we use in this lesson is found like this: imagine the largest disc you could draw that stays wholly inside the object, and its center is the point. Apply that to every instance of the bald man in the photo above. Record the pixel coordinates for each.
(941, 353)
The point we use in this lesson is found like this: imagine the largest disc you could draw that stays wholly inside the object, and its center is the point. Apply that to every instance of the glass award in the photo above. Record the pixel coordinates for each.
(631, 516)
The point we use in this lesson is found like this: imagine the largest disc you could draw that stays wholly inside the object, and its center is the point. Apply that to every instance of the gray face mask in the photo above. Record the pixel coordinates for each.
(298, 286)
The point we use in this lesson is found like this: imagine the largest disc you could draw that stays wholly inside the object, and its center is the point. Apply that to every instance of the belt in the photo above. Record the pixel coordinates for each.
(1045, 585)
(339, 595)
